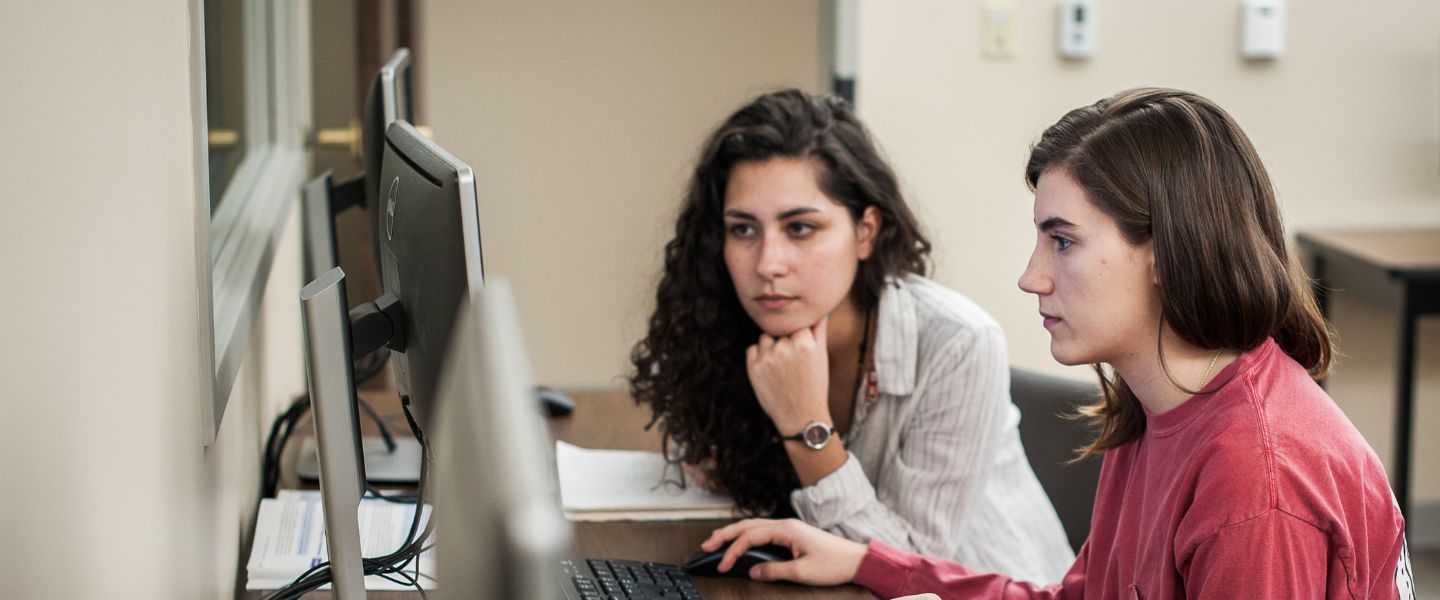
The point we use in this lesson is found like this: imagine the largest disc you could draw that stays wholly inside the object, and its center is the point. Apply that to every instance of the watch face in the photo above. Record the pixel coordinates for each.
(816, 435)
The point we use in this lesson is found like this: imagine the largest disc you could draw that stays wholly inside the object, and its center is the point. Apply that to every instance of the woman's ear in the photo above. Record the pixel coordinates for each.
(1150, 258)
(867, 229)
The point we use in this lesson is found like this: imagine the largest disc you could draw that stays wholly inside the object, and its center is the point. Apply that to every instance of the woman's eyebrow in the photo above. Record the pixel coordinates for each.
(794, 212)
(1054, 223)
(740, 214)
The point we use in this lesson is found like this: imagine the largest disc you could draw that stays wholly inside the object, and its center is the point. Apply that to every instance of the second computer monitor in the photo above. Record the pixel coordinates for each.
(429, 244)
(388, 100)
(501, 531)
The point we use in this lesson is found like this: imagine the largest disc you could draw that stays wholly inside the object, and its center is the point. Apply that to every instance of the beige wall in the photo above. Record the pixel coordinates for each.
(108, 491)
(1348, 123)
(582, 120)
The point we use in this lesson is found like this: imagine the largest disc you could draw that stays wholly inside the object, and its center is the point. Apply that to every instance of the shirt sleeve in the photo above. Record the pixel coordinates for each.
(889, 573)
(1273, 555)
(946, 455)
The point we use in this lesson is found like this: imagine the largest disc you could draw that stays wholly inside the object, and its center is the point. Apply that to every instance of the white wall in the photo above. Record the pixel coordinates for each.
(582, 120)
(1348, 122)
(108, 491)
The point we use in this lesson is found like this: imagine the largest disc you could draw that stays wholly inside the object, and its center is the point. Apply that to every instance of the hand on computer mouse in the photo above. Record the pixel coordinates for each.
(706, 563)
(820, 558)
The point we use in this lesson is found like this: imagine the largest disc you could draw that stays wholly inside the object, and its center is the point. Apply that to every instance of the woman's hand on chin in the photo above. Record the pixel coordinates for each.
(791, 377)
(820, 558)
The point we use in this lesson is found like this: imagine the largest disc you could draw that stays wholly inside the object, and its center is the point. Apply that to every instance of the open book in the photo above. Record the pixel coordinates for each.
(629, 485)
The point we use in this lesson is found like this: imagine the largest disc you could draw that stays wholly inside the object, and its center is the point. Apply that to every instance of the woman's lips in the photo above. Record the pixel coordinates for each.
(774, 302)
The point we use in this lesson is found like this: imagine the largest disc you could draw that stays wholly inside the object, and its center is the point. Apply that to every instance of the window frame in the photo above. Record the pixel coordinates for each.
(235, 245)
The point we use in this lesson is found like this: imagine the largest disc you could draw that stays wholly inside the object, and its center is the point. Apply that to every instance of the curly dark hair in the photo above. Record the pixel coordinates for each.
(690, 368)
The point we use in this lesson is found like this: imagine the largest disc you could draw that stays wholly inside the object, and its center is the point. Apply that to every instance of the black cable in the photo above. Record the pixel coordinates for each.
(394, 562)
(280, 431)
(385, 434)
(395, 498)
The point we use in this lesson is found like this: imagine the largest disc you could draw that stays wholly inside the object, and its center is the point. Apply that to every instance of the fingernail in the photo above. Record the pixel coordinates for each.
(755, 572)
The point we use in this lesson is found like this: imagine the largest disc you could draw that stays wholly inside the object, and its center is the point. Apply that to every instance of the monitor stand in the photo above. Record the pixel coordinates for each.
(381, 466)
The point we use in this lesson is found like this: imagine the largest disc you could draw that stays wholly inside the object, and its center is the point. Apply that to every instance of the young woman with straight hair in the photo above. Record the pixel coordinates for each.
(1160, 258)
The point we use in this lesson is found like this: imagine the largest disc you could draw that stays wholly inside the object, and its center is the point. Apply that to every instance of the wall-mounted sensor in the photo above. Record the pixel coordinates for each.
(1078, 28)
(1262, 29)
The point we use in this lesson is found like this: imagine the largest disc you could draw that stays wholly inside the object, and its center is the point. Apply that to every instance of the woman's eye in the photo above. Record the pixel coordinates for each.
(741, 229)
(800, 229)
(1062, 243)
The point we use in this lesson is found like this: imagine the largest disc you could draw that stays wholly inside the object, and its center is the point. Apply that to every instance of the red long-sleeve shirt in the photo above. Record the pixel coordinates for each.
(1260, 489)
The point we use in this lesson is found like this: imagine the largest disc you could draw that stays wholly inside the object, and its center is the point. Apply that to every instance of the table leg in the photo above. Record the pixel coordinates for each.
(1404, 409)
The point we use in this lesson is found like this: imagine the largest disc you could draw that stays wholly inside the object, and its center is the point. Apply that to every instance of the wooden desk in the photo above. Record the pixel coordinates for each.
(610, 419)
(1396, 269)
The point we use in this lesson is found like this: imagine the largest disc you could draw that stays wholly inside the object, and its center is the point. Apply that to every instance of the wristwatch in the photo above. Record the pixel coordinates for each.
(815, 435)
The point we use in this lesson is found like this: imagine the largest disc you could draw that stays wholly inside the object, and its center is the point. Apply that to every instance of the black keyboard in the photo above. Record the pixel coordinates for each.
(600, 579)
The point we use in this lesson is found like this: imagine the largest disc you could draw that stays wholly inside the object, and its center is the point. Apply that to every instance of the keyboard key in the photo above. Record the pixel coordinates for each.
(600, 579)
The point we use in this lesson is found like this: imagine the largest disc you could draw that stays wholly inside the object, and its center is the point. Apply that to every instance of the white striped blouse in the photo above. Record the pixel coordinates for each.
(936, 466)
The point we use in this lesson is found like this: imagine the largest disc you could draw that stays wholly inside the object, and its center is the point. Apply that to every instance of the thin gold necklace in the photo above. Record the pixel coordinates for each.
(1160, 353)
(1204, 379)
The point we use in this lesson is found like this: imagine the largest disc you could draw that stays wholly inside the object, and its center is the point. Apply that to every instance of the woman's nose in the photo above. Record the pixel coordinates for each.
(774, 259)
(1036, 278)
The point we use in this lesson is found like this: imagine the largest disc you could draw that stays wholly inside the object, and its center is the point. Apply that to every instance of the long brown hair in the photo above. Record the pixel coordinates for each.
(1173, 168)
(690, 367)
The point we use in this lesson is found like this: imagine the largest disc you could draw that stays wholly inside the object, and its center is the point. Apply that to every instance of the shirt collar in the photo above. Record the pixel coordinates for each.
(897, 339)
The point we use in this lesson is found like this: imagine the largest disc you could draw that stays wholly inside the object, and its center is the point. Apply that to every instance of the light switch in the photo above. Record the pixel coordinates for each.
(1262, 29)
(998, 29)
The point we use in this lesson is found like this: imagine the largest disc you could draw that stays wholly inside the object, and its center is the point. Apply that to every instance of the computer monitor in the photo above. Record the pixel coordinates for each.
(388, 100)
(318, 225)
(331, 379)
(429, 244)
(500, 528)
(390, 459)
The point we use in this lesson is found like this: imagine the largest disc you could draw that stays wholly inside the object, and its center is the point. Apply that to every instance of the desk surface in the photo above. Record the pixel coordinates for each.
(610, 419)
(1390, 249)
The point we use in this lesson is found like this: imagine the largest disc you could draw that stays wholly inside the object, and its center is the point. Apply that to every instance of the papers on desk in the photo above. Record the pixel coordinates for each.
(628, 485)
(290, 538)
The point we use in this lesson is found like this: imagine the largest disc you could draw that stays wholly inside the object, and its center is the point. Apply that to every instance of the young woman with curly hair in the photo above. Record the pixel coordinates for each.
(1228, 472)
(798, 359)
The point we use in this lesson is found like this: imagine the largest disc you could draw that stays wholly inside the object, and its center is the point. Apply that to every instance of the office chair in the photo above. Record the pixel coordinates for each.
(1050, 441)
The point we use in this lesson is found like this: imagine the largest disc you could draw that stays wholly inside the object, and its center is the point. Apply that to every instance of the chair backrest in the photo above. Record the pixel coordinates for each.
(1050, 441)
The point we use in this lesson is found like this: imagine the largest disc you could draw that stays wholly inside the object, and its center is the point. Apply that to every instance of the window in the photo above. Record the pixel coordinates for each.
(248, 67)
(224, 93)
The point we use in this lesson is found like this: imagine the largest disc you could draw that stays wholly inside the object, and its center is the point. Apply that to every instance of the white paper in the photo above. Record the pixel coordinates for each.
(290, 539)
(628, 484)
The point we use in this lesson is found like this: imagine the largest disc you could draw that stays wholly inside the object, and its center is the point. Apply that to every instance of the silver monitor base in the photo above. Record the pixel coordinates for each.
(381, 466)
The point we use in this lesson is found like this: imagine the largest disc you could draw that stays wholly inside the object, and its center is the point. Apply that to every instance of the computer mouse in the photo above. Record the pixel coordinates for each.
(554, 402)
(705, 563)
